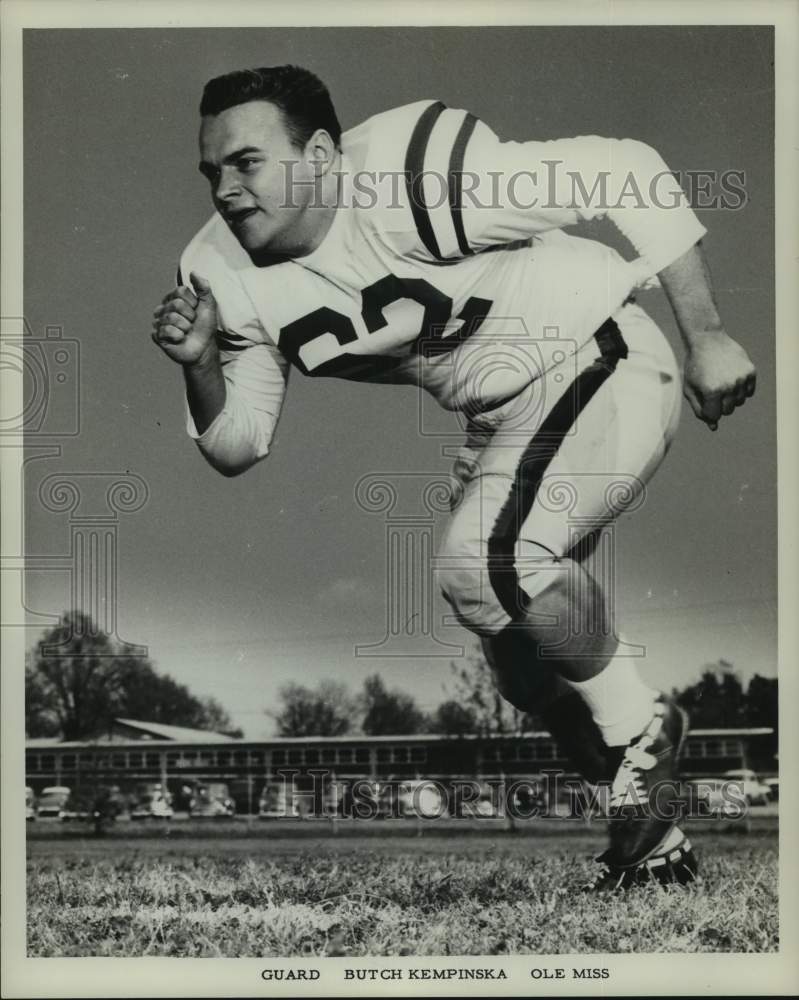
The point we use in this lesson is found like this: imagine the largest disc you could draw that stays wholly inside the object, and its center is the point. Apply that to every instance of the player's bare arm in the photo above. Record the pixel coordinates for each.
(184, 327)
(719, 376)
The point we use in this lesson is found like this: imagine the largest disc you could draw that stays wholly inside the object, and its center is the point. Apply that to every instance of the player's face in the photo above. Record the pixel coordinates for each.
(261, 183)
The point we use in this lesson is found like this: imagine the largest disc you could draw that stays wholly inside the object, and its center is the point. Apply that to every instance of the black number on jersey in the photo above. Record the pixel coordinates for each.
(386, 291)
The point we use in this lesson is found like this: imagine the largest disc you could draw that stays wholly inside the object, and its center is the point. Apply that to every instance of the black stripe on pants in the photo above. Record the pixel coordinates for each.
(533, 464)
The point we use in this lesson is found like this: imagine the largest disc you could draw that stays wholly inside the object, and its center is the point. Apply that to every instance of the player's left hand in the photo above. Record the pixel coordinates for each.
(719, 376)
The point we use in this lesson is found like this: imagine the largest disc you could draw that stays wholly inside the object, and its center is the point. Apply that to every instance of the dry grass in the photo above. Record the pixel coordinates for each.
(472, 895)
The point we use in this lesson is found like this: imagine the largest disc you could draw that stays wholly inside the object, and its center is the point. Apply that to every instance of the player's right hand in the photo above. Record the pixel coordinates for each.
(185, 324)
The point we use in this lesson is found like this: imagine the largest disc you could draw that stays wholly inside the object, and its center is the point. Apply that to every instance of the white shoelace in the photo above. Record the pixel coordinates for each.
(628, 787)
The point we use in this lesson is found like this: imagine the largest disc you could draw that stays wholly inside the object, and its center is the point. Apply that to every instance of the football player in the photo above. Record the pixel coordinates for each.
(418, 248)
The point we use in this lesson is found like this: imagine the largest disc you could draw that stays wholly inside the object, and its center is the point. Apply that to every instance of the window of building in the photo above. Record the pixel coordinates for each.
(207, 758)
(278, 757)
(32, 762)
(527, 751)
(135, 759)
(418, 755)
(152, 759)
(256, 757)
(68, 761)
(47, 762)
(101, 760)
(714, 748)
(172, 759)
(329, 755)
(383, 755)
(344, 755)
(362, 755)
(240, 758)
(118, 760)
(400, 755)
(733, 748)
(223, 758)
(311, 756)
(189, 758)
(295, 756)
(546, 750)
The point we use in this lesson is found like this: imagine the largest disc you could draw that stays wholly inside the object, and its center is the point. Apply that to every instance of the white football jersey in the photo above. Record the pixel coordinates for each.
(444, 267)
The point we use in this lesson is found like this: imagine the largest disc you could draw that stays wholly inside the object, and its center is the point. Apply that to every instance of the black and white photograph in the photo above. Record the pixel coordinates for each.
(395, 479)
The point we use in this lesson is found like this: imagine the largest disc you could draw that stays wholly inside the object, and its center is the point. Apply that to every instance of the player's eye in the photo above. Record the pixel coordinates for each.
(247, 162)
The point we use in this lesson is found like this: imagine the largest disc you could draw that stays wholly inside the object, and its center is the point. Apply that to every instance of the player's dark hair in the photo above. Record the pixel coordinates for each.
(301, 96)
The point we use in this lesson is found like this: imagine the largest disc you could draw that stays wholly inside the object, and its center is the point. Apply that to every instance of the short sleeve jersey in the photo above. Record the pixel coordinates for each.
(446, 252)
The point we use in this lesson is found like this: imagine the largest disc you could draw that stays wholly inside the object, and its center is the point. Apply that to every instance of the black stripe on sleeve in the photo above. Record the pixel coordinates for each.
(231, 341)
(456, 181)
(538, 455)
(414, 177)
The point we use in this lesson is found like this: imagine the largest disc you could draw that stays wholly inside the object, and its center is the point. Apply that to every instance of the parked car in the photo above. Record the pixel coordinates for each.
(757, 794)
(152, 801)
(52, 801)
(276, 802)
(211, 800)
(101, 804)
(411, 797)
(30, 803)
(723, 798)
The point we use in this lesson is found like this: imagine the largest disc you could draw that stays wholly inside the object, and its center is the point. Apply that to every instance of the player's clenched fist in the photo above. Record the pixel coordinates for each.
(185, 324)
(718, 377)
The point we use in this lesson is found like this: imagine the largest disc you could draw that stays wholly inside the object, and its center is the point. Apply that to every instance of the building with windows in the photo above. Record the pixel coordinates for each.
(134, 753)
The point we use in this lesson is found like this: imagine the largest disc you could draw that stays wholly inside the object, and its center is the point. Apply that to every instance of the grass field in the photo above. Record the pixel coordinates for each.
(484, 893)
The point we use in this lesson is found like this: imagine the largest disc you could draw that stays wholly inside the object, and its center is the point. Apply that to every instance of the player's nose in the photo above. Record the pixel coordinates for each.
(228, 187)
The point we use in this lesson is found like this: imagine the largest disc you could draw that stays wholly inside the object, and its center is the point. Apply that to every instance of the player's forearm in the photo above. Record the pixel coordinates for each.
(687, 284)
(205, 390)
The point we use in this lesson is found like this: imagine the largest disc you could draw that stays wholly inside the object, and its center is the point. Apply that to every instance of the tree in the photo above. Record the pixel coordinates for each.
(147, 694)
(389, 713)
(717, 700)
(73, 681)
(79, 680)
(41, 719)
(327, 710)
(451, 718)
(762, 702)
(476, 691)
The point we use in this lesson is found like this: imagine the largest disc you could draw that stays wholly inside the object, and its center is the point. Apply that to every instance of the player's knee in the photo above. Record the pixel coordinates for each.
(486, 593)
(467, 590)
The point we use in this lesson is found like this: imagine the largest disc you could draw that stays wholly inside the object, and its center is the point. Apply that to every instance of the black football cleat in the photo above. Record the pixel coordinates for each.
(645, 796)
(677, 866)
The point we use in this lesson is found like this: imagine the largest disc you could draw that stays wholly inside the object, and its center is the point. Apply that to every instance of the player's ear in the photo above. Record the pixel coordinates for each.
(320, 150)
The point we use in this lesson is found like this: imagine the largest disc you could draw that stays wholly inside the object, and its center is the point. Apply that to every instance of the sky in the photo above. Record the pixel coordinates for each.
(238, 586)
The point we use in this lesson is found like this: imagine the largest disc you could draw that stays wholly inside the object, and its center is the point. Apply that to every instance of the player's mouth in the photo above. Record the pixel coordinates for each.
(237, 218)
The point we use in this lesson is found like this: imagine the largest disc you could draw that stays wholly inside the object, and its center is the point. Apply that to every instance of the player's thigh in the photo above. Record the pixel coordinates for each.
(613, 447)
(524, 501)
